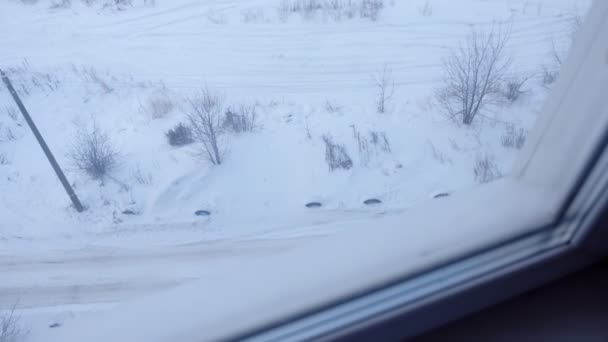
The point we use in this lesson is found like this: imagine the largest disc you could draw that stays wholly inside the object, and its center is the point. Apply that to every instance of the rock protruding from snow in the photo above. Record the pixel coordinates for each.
(441, 194)
(202, 213)
(314, 205)
(372, 201)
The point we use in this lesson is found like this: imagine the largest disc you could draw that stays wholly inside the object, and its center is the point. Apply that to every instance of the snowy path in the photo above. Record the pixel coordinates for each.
(68, 278)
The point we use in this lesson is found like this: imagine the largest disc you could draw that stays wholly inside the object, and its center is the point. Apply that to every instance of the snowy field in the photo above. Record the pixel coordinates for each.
(130, 71)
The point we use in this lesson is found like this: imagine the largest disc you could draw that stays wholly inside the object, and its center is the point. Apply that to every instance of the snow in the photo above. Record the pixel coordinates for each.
(257, 291)
(308, 77)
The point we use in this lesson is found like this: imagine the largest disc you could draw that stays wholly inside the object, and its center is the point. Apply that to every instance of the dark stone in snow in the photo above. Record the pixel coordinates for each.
(55, 325)
(314, 205)
(129, 212)
(202, 213)
(443, 194)
(372, 201)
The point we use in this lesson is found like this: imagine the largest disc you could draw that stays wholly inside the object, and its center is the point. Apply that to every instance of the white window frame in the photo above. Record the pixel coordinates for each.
(439, 260)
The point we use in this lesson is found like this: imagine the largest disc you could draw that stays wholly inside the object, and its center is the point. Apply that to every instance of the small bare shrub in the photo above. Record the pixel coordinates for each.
(473, 74)
(514, 138)
(485, 169)
(513, 88)
(363, 148)
(439, 156)
(426, 10)
(9, 327)
(179, 135)
(336, 155)
(4, 160)
(94, 77)
(112, 4)
(206, 121)
(12, 113)
(371, 9)
(253, 15)
(57, 4)
(334, 9)
(559, 52)
(549, 76)
(243, 119)
(158, 107)
(370, 147)
(142, 178)
(331, 108)
(379, 140)
(93, 153)
(385, 88)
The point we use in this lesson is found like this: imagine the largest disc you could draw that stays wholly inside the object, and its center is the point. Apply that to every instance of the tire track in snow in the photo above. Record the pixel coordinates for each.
(113, 275)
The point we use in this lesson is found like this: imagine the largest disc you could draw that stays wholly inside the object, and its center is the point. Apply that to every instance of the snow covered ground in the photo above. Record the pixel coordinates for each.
(308, 77)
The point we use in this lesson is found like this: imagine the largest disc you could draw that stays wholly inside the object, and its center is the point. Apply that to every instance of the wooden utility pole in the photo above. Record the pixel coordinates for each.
(42, 143)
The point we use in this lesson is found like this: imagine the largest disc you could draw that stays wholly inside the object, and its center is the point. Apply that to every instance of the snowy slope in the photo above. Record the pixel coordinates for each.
(86, 64)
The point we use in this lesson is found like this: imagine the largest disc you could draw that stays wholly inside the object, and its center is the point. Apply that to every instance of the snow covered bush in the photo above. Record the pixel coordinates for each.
(206, 119)
(179, 135)
(513, 138)
(93, 153)
(486, 169)
(243, 119)
(473, 74)
(336, 155)
(9, 327)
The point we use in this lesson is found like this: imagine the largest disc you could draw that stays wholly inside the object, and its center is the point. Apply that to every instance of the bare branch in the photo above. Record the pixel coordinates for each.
(206, 119)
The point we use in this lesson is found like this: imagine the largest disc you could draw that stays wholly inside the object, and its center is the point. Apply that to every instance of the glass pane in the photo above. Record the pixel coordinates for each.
(197, 131)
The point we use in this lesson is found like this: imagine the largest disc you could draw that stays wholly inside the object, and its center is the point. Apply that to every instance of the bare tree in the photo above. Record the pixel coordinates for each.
(206, 118)
(9, 327)
(473, 74)
(386, 87)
